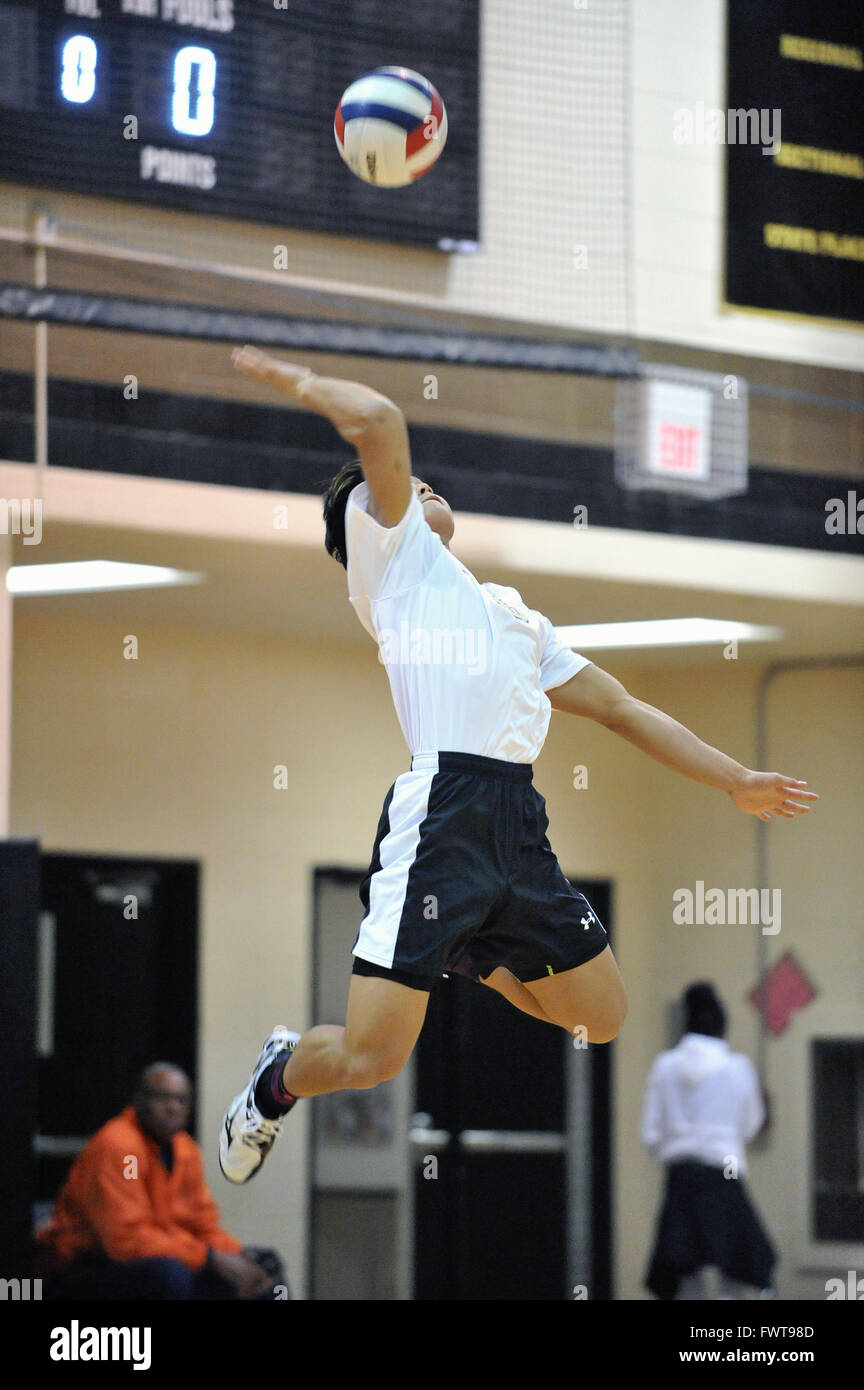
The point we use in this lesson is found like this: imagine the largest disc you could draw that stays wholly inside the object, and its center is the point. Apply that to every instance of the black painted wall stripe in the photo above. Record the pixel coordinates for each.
(162, 435)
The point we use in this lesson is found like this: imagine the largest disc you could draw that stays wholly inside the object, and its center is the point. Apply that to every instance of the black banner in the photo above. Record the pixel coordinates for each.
(448, 345)
(795, 157)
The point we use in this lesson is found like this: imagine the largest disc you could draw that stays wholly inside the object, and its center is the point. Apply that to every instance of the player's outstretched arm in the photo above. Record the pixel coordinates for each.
(596, 695)
(370, 422)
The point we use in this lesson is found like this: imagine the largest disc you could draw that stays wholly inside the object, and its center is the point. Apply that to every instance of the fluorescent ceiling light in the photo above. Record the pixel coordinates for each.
(664, 632)
(87, 576)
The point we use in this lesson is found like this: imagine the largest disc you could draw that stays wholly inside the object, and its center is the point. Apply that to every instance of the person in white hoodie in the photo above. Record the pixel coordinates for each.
(702, 1106)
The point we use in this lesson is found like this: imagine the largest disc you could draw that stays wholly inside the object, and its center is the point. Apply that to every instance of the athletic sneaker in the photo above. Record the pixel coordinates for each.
(247, 1136)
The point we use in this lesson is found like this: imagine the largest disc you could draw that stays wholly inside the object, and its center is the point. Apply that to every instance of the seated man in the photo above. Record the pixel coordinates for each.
(135, 1218)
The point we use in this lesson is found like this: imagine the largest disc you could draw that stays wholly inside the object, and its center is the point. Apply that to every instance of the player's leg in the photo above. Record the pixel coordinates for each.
(504, 982)
(548, 935)
(382, 1024)
(600, 1016)
(590, 996)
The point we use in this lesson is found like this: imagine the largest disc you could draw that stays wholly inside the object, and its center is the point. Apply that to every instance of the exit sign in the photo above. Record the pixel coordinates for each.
(677, 439)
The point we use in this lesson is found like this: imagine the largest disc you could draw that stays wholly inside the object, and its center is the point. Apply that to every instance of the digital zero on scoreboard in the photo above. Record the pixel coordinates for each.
(226, 106)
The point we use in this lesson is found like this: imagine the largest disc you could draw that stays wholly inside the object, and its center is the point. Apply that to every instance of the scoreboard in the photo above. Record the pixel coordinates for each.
(226, 106)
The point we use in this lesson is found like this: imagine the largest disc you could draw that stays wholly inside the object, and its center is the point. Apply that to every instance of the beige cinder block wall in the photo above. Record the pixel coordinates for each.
(6, 611)
(660, 832)
(174, 754)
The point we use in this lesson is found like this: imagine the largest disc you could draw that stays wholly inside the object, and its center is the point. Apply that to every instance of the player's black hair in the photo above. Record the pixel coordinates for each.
(335, 502)
(703, 1010)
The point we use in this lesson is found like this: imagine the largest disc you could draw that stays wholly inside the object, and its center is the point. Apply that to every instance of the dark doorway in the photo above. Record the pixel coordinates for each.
(19, 910)
(117, 988)
(360, 1168)
(506, 1106)
(500, 1186)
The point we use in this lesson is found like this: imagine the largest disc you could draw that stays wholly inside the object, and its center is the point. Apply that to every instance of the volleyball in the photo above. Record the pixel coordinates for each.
(390, 126)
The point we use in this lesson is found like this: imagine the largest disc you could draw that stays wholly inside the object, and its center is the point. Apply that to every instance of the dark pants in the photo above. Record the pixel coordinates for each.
(707, 1220)
(93, 1278)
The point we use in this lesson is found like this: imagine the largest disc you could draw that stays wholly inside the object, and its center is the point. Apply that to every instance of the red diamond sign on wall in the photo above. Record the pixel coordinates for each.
(783, 989)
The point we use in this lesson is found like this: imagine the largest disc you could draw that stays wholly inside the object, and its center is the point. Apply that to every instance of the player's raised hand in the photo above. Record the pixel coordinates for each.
(370, 422)
(285, 376)
(767, 794)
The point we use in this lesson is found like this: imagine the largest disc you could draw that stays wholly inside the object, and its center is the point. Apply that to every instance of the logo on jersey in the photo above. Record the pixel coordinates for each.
(521, 614)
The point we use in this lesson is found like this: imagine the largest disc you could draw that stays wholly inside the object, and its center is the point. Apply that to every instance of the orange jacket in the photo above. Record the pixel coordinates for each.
(120, 1201)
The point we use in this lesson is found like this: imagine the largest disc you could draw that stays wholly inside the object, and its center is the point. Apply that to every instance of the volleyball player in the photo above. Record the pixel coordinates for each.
(462, 877)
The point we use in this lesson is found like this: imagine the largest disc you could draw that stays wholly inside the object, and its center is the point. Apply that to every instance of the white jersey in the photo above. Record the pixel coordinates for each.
(468, 663)
(702, 1101)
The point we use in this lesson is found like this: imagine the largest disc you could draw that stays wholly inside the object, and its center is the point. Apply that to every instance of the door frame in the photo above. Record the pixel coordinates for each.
(181, 960)
(352, 878)
(600, 1279)
(599, 1274)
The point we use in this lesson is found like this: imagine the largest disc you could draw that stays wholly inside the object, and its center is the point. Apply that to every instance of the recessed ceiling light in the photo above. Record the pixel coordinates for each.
(664, 632)
(89, 576)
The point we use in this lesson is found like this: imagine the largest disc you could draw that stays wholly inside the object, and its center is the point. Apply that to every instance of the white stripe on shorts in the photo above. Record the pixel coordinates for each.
(397, 852)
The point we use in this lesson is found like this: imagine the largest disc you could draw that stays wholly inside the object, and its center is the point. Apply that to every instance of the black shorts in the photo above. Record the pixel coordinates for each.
(463, 879)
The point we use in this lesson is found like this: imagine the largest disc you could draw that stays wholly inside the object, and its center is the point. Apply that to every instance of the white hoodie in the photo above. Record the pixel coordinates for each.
(702, 1101)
